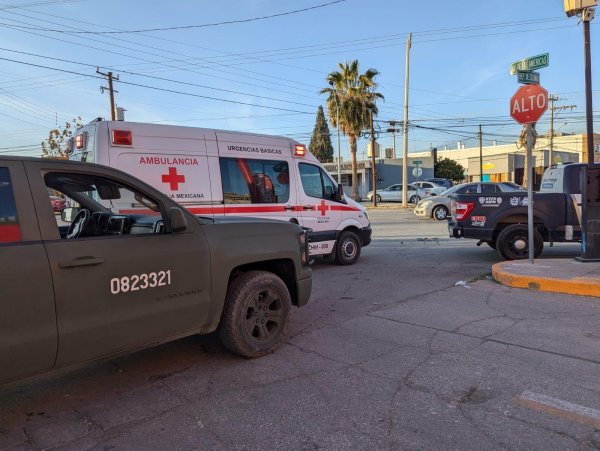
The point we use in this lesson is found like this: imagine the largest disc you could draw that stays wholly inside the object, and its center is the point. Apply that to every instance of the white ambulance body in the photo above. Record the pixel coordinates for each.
(217, 173)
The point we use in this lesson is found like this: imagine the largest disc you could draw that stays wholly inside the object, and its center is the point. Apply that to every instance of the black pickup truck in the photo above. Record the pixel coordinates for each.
(501, 220)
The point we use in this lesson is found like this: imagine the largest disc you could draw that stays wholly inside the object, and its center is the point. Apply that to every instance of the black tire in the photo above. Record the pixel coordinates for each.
(255, 315)
(512, 243)
(347, 249)
(378, 198)
(414, 199)
(440, 213)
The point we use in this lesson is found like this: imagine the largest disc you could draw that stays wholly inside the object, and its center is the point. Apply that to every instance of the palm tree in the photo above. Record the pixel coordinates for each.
(355, 96)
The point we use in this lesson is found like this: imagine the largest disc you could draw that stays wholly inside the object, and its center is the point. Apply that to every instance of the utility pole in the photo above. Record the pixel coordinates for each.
(111, 91)
(373, 169)
(405, 126)
(480, 154)
(552, 108)
(337, 108)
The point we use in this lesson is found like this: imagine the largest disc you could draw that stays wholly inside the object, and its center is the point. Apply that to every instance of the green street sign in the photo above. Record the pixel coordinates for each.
(528, 78)
(417, 162)
(529, 64)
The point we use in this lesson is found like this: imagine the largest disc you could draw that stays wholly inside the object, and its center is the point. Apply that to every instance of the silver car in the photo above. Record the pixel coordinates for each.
(438, 207)
(393, 193)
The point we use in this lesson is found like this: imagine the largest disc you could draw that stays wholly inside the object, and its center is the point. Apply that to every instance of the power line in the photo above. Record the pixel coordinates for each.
(214, 24)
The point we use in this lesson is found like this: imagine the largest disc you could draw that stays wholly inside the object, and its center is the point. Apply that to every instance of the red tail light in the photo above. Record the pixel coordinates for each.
(299, 150)
(122, 137)
(463, 210)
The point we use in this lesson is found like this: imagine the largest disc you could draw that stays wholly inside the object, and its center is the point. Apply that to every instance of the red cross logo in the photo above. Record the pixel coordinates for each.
(323, 208)
(173, 179)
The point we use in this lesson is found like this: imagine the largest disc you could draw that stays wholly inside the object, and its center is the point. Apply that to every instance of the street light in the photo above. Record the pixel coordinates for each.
(337, 107)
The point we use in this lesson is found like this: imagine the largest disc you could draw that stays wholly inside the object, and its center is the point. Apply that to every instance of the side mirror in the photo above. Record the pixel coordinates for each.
(339, 195)
(177, 222)
(68, 214)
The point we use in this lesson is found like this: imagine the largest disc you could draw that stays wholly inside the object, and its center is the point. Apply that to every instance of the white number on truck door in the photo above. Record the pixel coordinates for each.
(138, 282)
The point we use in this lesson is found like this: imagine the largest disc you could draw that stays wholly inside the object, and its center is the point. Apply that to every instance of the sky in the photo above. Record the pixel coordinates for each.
(258, 65)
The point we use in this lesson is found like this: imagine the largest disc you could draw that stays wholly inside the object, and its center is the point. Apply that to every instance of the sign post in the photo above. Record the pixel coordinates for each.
(527, 105)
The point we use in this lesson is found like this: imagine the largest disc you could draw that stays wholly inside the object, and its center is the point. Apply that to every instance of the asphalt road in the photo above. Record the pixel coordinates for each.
(414, 347)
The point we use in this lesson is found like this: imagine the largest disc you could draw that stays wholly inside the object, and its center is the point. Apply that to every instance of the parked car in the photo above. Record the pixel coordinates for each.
(446, 183)
(393, 193)
(58, 203)
(430, 188)
(438, 207)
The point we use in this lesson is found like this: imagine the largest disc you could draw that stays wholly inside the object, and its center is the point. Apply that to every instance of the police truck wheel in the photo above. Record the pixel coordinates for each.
(347, 248)
(255, 315)
(440, 213)
(512, 243)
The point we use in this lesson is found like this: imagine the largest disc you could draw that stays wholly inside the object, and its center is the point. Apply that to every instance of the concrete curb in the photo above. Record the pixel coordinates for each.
(521, 274)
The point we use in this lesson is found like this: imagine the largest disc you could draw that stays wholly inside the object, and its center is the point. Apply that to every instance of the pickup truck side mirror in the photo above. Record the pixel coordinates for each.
(68, 214)
(177, 222)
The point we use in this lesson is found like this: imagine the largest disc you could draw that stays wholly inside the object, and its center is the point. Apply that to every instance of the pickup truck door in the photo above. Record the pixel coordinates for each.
(124, 288)
(28, 337)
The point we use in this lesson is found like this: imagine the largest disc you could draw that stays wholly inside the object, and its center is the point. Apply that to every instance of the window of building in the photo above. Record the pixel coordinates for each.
(248, 181)
(10, 231)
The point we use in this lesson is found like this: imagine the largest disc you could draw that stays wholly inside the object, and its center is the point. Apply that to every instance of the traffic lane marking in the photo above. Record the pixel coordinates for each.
(559, 408)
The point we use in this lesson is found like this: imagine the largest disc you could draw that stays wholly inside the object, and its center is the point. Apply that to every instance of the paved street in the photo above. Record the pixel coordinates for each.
(414, 347)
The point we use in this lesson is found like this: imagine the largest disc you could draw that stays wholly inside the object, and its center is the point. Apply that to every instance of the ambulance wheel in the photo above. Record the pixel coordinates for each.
(512, 243)
(255, 315)
(347, 249)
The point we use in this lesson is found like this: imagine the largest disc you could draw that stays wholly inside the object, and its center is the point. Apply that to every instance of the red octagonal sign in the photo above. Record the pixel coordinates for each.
(528, 104)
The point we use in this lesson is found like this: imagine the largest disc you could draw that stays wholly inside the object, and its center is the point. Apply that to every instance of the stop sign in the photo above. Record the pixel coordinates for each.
(528, 104)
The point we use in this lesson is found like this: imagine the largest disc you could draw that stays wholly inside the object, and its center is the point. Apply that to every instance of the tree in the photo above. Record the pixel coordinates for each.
(355, 96)
(449, 169)
(320, 142)
(53, 146)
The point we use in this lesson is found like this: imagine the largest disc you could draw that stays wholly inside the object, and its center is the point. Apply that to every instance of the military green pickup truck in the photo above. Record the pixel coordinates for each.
(123, 267)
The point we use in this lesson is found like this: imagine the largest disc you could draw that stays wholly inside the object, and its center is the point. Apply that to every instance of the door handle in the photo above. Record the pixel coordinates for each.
(288, 208)
(308, 207)
(81, 261)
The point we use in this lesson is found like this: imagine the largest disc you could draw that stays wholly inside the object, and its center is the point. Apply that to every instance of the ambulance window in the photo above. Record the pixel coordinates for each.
(248, 181)
(9, 224)
(316, 183)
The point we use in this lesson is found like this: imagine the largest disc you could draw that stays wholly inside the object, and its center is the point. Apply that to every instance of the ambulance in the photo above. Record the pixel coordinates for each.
(217, 173)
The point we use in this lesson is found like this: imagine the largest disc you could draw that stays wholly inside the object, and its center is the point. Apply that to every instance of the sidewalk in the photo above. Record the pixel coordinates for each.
(560, 275)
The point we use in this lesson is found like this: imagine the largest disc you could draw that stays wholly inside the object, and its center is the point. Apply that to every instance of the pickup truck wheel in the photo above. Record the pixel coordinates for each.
(512, 243)
(440, 213)
(347, 248)
(255, 316)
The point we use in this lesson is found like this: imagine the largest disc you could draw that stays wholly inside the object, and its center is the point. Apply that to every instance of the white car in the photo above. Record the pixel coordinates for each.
(430, 188)
(393, 193)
